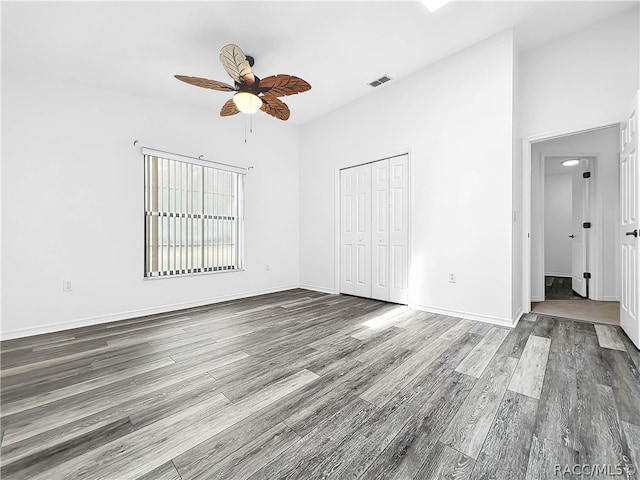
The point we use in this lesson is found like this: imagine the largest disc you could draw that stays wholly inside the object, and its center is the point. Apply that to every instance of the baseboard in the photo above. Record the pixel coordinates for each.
(517, 316)
(503, 322)
(315, 288)
(556, 274)
(537, 299)
(88, 321)
(100, 319)
(610, 299)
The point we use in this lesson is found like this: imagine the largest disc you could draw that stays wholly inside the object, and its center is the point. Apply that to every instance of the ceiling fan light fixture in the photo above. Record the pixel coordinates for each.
(571, 162)
(247, 102)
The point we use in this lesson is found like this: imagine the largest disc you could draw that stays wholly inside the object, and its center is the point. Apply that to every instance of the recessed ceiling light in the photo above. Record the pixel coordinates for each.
(571, 162)
(433, 5)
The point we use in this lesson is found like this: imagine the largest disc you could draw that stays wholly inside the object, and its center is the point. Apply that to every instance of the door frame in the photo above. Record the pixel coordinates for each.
(527, 144)
(336, 214)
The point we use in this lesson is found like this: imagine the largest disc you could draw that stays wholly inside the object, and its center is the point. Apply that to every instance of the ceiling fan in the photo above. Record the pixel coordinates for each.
(252, 93)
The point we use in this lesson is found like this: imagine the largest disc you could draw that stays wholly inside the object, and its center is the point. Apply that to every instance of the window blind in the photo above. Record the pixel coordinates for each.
(193, 216)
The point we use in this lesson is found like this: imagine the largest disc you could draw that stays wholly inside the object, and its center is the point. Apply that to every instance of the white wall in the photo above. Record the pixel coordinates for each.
(557, 225)
(68, 163)
(456, 117)
(603, 143)
(585, 78)
(72, 203)
(517, 306)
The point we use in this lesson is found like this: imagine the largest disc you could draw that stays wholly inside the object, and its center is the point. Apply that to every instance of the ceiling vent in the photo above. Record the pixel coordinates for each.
(380, 81)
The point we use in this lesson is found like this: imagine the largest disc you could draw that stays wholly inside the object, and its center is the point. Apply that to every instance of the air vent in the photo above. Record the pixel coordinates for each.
(380, 81)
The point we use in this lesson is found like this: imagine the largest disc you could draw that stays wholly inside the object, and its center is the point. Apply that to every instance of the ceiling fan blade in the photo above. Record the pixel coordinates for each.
(282, 85)
(275, 107)
(229, 108)
(236, 64)
(206, 83)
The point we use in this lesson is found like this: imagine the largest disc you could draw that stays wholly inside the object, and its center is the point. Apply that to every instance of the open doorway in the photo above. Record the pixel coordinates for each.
(574, 260)
(566, 192)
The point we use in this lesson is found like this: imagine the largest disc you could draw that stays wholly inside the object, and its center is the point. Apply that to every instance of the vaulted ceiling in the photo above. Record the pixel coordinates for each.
(337, 46)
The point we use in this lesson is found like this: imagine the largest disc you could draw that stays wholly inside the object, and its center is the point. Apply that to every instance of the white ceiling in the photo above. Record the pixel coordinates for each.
(337, 46)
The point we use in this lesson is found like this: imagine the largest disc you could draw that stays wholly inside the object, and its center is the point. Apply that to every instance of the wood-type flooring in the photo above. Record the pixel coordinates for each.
(304, 385)
(559, 288)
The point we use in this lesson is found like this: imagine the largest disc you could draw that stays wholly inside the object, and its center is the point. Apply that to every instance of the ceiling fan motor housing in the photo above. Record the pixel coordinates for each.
(253, 88)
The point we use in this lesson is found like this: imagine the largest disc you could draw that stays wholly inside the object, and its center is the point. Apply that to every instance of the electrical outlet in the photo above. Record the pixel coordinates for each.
(66, 286)
(452, 278)
(266, 267)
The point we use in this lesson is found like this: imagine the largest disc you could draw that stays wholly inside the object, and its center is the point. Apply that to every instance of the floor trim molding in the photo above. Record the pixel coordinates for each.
(517, 316)
(99, 319)
(316, 288)
(113, 317)
(503, 322)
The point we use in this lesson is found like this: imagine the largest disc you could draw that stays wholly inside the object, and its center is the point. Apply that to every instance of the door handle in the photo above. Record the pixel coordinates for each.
(572, 236)
(634, 233)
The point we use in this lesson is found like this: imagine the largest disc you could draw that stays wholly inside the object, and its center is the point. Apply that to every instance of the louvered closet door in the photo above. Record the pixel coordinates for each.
(380, 230)
(355, 231)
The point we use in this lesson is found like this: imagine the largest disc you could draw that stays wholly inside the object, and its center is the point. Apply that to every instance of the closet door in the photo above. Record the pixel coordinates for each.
(355, 231)
(380, 230)
(398, 229)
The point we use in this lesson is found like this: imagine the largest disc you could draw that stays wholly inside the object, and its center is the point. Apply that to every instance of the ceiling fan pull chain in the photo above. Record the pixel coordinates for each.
(245, 130)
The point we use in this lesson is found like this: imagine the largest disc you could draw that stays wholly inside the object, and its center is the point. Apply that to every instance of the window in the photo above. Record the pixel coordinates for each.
(193, 216)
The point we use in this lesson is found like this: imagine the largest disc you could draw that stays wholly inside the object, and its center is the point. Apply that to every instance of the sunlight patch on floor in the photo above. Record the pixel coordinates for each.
(385, 319)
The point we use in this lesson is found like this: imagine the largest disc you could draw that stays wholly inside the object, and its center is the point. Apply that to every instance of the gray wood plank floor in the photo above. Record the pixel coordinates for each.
(304, 385)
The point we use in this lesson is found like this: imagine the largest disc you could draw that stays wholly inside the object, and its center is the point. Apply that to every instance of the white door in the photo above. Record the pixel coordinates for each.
(630, 226)
(579, 245)
(374, 230)
(355, 231)
(380, 230)
(398, 229)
